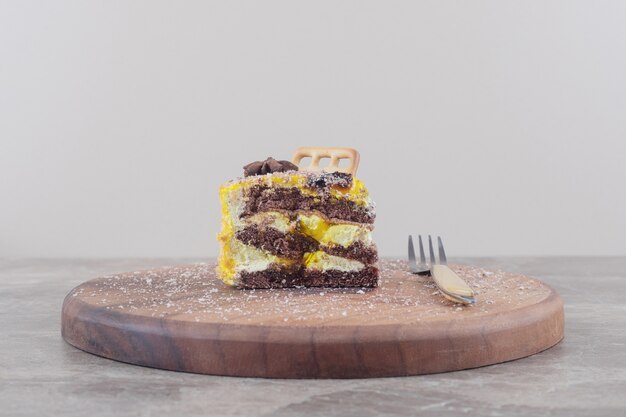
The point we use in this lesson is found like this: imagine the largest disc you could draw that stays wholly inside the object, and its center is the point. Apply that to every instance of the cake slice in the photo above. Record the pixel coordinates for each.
(285, 227)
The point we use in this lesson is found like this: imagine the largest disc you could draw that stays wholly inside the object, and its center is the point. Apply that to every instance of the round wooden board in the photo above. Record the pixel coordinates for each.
(183, 318)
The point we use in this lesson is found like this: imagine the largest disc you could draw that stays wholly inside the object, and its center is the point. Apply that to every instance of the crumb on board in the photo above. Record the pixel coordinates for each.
(193, 293)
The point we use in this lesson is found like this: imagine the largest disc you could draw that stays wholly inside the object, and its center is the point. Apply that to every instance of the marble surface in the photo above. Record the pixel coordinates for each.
(42, 375)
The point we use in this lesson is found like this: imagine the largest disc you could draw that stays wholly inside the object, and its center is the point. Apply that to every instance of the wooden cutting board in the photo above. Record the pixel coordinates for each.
(183, 318)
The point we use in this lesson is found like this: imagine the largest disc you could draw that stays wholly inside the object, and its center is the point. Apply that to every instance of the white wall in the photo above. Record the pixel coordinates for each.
(500, 125)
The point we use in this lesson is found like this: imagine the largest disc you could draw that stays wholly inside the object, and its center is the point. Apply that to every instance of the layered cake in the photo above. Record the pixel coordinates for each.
(284, 225)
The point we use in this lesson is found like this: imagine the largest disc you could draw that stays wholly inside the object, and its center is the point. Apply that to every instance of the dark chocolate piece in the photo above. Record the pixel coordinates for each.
(268, 166)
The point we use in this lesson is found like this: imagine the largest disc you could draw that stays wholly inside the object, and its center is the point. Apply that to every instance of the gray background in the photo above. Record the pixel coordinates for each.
(499, 125)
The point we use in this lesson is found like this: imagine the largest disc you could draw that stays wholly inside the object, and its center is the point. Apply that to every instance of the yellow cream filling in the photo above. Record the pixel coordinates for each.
(278, 221)
(322, 261)
(328, 233)
(225, 262)
(346, 234)
(313, 225)
(357, 193)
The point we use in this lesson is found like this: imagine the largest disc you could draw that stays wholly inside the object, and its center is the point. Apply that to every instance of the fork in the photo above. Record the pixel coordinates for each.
(422, 267)
(447, 281)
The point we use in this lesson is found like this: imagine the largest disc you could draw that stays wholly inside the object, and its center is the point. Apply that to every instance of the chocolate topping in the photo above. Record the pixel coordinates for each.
(267, 167)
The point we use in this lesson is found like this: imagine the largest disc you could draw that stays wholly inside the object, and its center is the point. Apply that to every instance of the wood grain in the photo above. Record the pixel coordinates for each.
(182, 318)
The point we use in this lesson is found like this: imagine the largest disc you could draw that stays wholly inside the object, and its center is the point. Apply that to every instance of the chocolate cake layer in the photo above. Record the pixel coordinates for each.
(367, 277)
(286, 278)
(294, 245)
(286, 245)
(262, 198)
(357, 251)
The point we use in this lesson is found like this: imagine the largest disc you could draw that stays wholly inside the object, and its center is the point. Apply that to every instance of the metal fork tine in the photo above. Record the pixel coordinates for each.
(433, 261)
(411, 253)
(442, 254)
(422, 256)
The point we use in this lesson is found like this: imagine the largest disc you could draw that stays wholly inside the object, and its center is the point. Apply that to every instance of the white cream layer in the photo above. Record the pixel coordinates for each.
(250, 259)
(321, 261)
